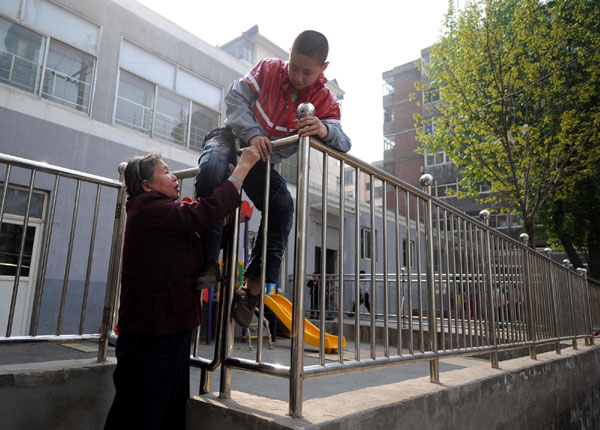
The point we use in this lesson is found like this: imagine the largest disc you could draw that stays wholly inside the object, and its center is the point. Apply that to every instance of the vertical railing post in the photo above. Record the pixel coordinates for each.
(114, 266)
(484, 215)
(548, 252)
(227, 297)
(528, 287)
(297, 352)
(583, 273)
(566, 263)
(434, 365)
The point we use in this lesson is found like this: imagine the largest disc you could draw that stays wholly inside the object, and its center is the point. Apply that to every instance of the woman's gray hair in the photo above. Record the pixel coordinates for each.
(139, 169)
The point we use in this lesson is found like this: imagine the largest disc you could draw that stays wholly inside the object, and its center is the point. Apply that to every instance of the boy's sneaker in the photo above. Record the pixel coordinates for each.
(244, 306)
(209, 277)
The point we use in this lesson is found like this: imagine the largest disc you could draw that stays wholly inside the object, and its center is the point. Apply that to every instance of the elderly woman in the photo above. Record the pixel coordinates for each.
(159, 307)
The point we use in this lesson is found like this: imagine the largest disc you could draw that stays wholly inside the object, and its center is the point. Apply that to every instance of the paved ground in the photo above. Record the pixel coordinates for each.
(254, 384)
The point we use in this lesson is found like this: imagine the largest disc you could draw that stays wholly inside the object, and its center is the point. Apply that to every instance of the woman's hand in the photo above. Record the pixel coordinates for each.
(249, 158)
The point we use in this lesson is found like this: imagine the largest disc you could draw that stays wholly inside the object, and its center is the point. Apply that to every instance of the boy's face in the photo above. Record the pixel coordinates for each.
(303, 70)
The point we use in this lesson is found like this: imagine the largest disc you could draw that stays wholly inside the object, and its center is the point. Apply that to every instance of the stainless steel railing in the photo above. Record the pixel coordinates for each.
(65, 240)
(464, 289)
(441, 283)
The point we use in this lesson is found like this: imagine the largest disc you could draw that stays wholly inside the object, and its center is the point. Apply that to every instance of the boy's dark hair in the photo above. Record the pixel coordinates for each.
(139, 169)
(312, 44)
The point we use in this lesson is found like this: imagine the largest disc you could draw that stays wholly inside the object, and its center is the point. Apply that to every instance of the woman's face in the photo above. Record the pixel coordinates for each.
(164, 181)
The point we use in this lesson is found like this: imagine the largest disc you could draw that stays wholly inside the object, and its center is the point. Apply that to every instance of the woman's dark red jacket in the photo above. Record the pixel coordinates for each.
(162, 257)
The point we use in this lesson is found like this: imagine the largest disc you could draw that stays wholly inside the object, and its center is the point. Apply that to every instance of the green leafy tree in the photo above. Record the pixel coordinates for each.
(519, 82)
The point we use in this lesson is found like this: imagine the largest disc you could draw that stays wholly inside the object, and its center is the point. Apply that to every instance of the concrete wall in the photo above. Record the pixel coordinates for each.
(554, 392)
(73, 394)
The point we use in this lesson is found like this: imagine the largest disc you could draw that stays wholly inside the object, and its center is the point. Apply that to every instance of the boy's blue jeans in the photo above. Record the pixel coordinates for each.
(218, 152)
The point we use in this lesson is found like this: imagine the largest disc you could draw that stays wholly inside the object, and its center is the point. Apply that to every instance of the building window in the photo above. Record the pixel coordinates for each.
(68, 72)
(172, 115)
(349, 177)
(11, 230)
(388, 143)
(365, 243)
(444, 190)
(158, 98)
(388, 89)
(485, 188)
(68, 77)
(405, 255)
(431, 96)
(135, 103)
(429, 127)
(387, 115)
(378, 191)
(499, 221)
(435, 158)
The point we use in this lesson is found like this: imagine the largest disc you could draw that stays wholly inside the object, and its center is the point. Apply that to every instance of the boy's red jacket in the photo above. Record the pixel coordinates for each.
(269, 79)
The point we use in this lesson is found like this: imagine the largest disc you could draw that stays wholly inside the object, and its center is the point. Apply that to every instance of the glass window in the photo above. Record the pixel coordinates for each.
(431, 96)
(16, 202)
(198, 89)
(348, 177)
(172, 115)
(405, 254)
(203, 121)
(62, 24)
(147, 65)
(365, 239)
(387, 115)
(388, 89)
(10, 8)
(10, 245)
(68, 77)
(135, 103)
(21, 53)
(388, 143)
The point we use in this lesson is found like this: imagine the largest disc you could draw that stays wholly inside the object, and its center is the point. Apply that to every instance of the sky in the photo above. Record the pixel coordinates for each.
(366, 39)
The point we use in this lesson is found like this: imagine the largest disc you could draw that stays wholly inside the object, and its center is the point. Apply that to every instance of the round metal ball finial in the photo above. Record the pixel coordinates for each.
(566, 262)
(426, 180)
(305, 109)
(580, 271)
(484, 215)
(548, 251)
(122, 167)
(524, 237)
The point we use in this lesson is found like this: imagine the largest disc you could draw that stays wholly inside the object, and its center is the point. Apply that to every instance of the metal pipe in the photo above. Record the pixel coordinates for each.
(114, 265)
(373, 245)
(485, 216)
(434, 365)
(297, 355)
(357, 252)
(530, 305)
(386, 293)
(88, 270)
(409, 256)
(227, 297)
(46, 253)
(341, 265)
(63, 298)
(324, 299)
(566, 263)
(13, 301)
(263, 261)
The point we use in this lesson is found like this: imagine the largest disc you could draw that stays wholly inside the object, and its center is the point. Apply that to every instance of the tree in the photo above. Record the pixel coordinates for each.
(519, 82)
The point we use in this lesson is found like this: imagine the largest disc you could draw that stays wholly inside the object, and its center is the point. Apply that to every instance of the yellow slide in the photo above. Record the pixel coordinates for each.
(282, 307)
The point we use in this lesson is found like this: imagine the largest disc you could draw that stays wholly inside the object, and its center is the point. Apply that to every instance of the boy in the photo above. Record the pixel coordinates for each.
(260, 107)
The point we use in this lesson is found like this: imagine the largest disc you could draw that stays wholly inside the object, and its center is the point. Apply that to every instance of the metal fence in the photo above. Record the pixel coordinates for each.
(448, 286)
(465, 289)
(50, 219)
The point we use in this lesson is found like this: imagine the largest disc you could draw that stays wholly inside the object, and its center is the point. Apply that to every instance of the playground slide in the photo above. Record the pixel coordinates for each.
(282, 307)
